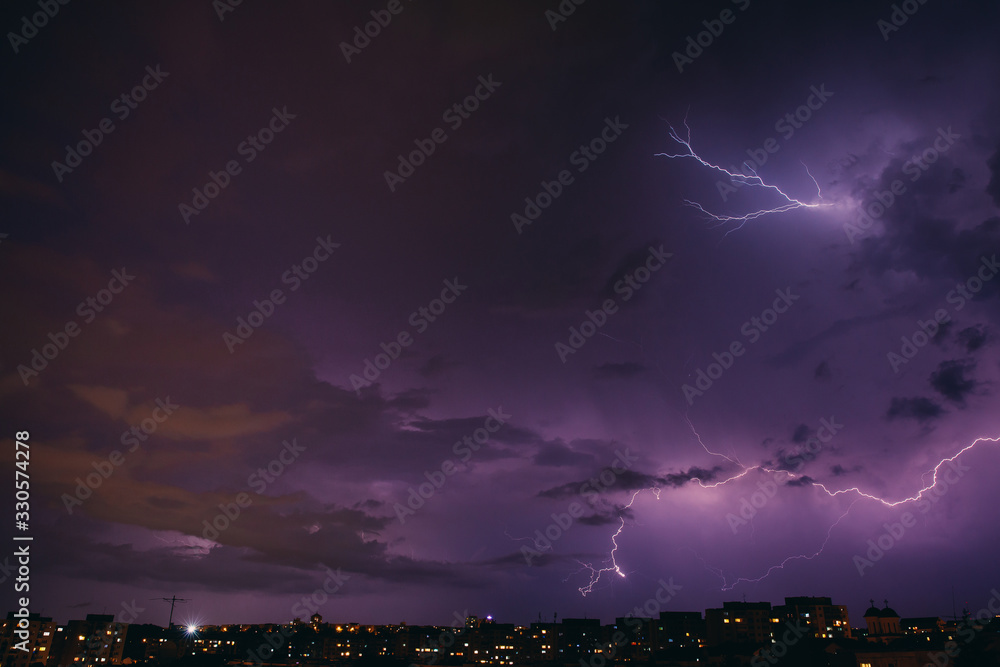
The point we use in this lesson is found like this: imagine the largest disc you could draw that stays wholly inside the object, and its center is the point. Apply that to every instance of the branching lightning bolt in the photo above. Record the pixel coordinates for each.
(595, 574)
(781, 565)
(753, 179)
(920, 494)
(614, 567)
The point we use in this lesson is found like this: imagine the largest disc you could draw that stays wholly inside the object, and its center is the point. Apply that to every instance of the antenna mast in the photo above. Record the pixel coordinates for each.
(172, 600)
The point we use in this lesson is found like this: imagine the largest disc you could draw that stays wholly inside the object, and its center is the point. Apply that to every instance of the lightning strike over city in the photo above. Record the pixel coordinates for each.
(614, 567)
(380, 336)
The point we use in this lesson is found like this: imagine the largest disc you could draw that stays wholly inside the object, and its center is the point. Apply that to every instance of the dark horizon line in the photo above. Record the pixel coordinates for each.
(945, 618)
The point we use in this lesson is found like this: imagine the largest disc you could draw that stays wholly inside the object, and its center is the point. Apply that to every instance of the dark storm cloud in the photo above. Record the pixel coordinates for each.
(225, 568)
(973, 337)
(439, 435)
(794, 459)
(993, 187)
(797, 350)
(916, 239)
(516, 561)
(610, 515)
(627, 264)
(567, 490)
(944, 328)
(437, 365)
(839, 470)
(931, 247)
(951, 379)
(627, 480)
(822, 372)
(412, 399)
(781, 461)
(630, 480)
(920, 408)
(555, 280)
(805, 480)
(800, 434)
(558, 454)
(369, 504)
(919, 241)
(395, 430)
(693, 473)
(214, 430)
(957, 181)
(619, 370)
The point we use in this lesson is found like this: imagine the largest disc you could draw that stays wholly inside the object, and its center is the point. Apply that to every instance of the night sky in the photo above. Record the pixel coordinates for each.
(401, 296)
